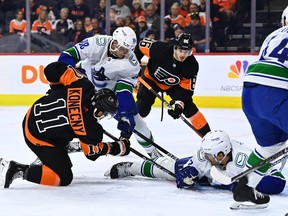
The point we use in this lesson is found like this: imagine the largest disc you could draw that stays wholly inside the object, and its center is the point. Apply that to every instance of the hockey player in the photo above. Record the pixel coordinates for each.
(216, 149)
(172, 69)
(109, 62)
(264, 102)
(71, 109)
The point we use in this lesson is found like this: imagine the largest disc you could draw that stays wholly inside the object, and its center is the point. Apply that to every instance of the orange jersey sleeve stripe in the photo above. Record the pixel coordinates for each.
(68, 77)
(49, 177)
(30, 137)
(145, 50)
(93, 149)
(198, 120)
(185, 83)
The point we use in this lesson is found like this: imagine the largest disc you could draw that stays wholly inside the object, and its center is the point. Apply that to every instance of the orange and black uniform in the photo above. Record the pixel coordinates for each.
(57, 118)
(165, 74)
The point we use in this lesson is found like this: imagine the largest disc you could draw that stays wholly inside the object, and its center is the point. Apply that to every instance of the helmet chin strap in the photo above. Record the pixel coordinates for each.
(112, 51)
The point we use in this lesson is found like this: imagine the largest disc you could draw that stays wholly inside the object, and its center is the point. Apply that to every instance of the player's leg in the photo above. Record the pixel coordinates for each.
(55, 169)
(145, 98)
(142, 168)
(142, 128)
(190, 110)
(265, 116)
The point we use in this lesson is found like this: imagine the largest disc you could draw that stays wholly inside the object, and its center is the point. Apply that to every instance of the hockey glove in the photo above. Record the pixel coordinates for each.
(177, 109)
(120, 148)
(187, 177)
(126, 111)
(126, 126)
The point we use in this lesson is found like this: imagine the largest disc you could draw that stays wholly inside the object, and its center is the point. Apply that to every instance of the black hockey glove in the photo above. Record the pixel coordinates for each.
(177, 110)
(120, 148)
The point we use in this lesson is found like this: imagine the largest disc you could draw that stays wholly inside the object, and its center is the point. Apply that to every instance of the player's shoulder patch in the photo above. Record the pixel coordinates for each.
(101, 40)
(133, 60)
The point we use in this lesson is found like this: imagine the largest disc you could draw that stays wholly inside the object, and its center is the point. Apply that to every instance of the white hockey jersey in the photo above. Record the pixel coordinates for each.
(102, 70)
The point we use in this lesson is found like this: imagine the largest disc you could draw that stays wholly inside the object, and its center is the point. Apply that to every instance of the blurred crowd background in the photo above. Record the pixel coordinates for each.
(54, 25)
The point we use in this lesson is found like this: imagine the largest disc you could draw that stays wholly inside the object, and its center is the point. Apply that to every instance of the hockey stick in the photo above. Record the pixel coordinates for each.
(167, 104)
(143, 156)
(226, 180)
(155, 145)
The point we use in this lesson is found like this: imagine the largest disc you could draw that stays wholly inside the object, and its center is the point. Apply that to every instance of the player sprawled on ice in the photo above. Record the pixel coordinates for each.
(173, 69)
(71, 109)
(216, 149)
(264, 102)
(109, 62)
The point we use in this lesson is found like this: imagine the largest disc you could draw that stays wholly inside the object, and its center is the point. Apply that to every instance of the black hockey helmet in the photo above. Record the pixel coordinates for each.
(104, 100)
(184, 41)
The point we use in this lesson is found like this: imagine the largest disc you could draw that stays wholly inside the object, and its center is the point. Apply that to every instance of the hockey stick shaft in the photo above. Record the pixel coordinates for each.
(167, 104)
(222, 178)
(155, 145)
(142, 156)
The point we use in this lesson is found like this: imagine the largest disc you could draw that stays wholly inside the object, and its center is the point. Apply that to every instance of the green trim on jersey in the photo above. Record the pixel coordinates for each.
(267, 69)
(72, 52)
(145, 144)
(120, 86)
(147, 169)
(279, 175)
(254, 160)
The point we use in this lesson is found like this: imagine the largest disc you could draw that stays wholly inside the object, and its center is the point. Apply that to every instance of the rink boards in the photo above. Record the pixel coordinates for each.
(219, 81)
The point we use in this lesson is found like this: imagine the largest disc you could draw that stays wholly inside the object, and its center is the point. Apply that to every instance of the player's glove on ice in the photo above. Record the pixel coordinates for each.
(126, 126)
(187, 177)
(120, 148)
(177, 110)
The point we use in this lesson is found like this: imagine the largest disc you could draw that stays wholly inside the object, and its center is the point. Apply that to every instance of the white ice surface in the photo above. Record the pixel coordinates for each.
(93, 194)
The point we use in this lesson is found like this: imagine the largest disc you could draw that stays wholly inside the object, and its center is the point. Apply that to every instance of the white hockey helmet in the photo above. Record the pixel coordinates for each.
(215, 142)
(125, 37)
(284, 17)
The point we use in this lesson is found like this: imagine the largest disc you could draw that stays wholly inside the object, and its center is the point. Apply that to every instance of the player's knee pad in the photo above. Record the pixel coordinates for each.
(141, 125)
(272, 184)
(66, 178)
(144, 108)
(168, 164)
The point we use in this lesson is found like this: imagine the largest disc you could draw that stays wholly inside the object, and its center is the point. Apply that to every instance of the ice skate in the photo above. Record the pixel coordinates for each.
(11, 170)
(247, 197)
(155, 154)
(119, 170)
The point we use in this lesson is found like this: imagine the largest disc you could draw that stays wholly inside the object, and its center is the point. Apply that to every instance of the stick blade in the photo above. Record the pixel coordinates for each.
(219, 176)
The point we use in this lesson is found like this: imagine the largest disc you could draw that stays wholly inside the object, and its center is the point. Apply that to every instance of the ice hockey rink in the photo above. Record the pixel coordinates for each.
(92, 194)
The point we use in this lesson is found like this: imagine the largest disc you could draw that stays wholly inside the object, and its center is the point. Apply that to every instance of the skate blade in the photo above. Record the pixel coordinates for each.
(4, 166)
(247, 205)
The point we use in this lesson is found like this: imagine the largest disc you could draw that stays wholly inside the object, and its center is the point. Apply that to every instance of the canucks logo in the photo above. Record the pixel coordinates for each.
(99, 77)
(235, 69)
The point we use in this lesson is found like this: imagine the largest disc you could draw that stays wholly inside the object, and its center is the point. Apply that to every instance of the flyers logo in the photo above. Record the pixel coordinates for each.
(166, 77)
